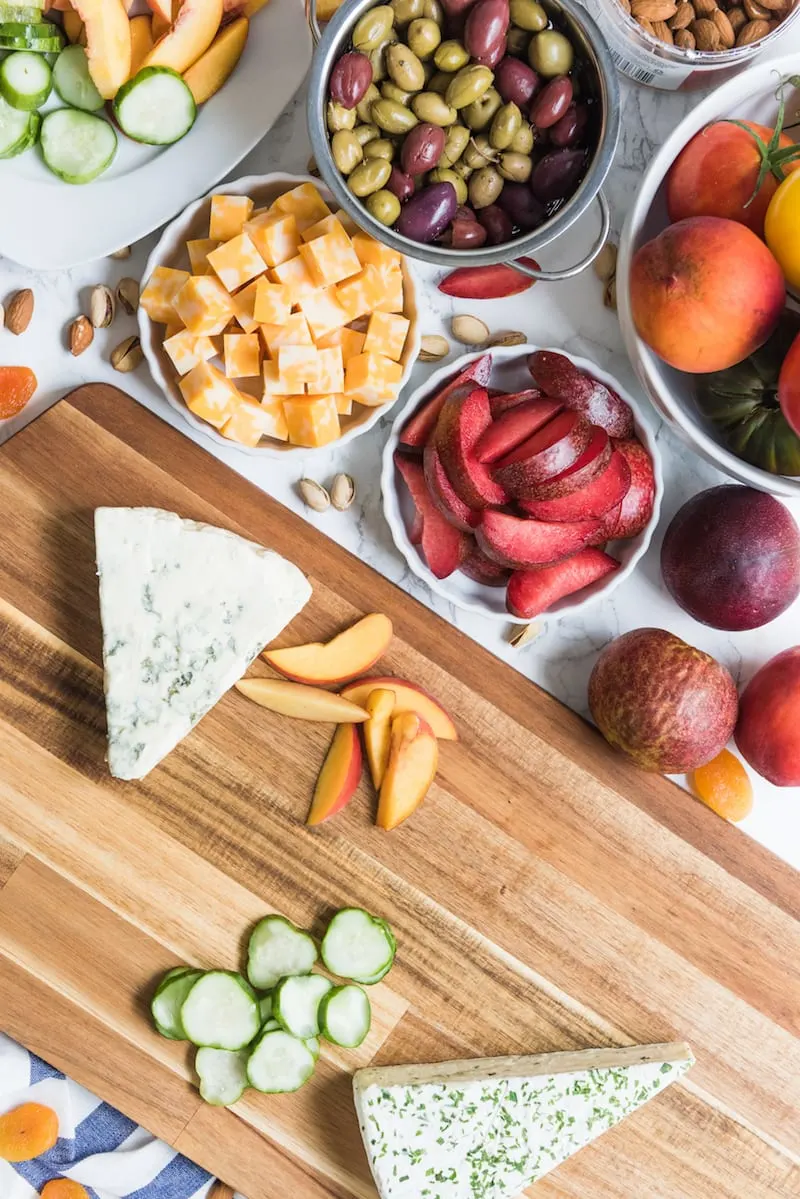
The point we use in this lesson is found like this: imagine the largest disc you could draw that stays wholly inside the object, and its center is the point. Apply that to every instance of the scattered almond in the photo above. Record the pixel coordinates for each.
(433, 347)
(343, 492)
(19, 311)
(81, 336)
(470, 330)
(684, 39)
(101, 306)
(605, 264)
(510, 338)
(683, 17)
(726, 32)
(128, 295)
(314, 495)
(753, 31)
(524, 634)
(122, 252)
(610, 294)
(127, 355)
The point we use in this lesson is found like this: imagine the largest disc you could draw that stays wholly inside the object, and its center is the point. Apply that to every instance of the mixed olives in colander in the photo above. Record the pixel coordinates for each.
(467, 123)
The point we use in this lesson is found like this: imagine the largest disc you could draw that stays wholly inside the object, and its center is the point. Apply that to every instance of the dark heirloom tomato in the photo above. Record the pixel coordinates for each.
(789, 386)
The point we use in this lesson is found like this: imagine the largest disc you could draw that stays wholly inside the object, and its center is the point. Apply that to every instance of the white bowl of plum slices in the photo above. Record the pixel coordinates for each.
(521, 481)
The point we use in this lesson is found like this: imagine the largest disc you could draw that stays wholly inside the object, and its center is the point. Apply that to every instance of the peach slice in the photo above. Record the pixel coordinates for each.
(378, 732)
(108, 43)
(211, 70)
(141, 42)
(192, 32)
(413, 758)
(409, 698)
(74, 28)
(339, 776)
(336, 661)
(301, 702)
(161, 9)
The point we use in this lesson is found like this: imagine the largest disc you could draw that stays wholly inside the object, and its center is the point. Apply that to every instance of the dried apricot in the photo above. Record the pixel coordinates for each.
(724, 785)
(63, 1188)
(27, 1131)
(17, 385)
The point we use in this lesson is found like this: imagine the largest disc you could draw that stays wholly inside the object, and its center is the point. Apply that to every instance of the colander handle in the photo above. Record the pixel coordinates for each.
(313, 23)
(569, 271)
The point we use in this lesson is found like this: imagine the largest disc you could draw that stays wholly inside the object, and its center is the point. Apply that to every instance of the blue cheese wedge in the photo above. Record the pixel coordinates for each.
(185, 608)
(488, 1129)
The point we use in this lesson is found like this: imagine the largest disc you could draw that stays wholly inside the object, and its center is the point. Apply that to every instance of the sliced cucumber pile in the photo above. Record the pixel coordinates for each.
(221, 1011)
(25, 80)
(155, 107)
(72, 80)
(358, 946)
(77, 146)
(24, 28)
(168, 1001)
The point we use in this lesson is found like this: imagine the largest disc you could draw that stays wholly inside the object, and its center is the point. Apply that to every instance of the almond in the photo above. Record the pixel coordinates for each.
(756, 11)
(726, 32)
(683, 17)
(704, 8)
(684, 39)
(646, 25)
(662, 31)
(706, 35)
(774, 6)
(653, 10)
(753, 31)
(737, 17)
(19, 311)
(81, 336)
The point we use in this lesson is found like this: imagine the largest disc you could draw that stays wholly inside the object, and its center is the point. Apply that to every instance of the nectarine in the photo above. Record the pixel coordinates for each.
(413, 758)
(378, 732)
(344, 657)
(768, 731)
(409, 698)
(192, 32)
(212, 69)
(339, 776)
(301, 702)
(108, 43)
(141, 42)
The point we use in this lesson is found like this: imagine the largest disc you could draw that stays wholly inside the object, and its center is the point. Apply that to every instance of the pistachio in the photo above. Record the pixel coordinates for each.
(343, 492)
(433, 347)
(127, 355)
(101, 306)
(523, 634)
(605, 264)
(470, 330)
(314, 495)
(128, 295)
(610, 294)
(122, 252)
(508, 338)
(81, 335)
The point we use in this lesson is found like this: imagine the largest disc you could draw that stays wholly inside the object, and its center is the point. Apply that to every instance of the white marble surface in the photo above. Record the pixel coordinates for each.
(570, 314)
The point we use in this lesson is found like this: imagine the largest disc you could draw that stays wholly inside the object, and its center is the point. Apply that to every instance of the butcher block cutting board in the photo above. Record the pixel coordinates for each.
(545, 897)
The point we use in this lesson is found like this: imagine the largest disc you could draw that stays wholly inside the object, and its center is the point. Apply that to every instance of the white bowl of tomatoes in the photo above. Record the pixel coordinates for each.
(709, 167)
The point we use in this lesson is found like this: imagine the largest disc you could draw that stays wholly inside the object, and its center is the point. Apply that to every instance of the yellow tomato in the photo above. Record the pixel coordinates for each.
(782, 228)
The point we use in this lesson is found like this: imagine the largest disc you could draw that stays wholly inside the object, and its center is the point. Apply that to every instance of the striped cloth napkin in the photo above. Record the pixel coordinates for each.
(98, 1147)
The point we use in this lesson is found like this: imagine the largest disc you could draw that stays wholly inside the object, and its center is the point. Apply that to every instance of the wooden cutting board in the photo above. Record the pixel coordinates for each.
(546, 896)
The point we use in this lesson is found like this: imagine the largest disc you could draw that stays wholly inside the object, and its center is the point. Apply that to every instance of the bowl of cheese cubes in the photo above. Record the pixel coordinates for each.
(272, 323)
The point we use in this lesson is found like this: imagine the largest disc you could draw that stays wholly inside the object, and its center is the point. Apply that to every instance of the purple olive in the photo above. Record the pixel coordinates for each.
(455, 8)
(487, 24)
(428, 213)
(515, 81)
(497, 224)
(422, 149)
(466, 234)
(552, 102)
(521, 206)
(401, 185)
(571, 127)
(494, 55)
(350, 79)
(554, 176)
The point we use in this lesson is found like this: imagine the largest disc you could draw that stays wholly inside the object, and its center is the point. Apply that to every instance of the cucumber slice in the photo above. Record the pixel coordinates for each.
(312, 1043)
(346, 1015)
(77, 146)
(279, 1063)
(169, 998)
(221, 1011)
(42, 45)
(18, 129)
(25, 14)
(271, 1026)
(222, 1074)
(358, 946)
(25, 80)
(297, 1003)
(265, 1007)
(29, 32)
(278, 950)
(72, 80)
(155, 107)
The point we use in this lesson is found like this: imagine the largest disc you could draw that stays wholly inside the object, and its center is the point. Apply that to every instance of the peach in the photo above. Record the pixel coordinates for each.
(409, 698)
(161, 9)
(345, 657)
(413, 758)
(768, 731)
(378, 731)
(301, 702)
(108, 43)
(74, 28)
(190, 35)
(212, 69)
(141, 42)
(705, 293)
(339, 776)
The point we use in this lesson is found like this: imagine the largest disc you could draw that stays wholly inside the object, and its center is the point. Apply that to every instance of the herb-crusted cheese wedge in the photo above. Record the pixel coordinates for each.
(488, 1129)
(185, 608)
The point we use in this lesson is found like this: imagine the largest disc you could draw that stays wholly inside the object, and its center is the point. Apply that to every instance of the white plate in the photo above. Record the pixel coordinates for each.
(171, 251)
(49, 225)
(509, 371)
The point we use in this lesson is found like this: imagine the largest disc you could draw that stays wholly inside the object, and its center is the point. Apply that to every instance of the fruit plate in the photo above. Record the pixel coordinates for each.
(50, 225)
(171, 251)
(509, 372)
(748, 97)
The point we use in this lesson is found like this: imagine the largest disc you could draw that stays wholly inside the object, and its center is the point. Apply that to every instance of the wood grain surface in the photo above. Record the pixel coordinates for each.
(545, 897)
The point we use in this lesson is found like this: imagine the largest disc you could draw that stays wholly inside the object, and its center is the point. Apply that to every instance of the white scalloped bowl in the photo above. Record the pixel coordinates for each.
(171, 251)
(510, 372)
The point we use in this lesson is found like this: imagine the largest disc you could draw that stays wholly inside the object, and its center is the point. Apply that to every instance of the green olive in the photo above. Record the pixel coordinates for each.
(445, 175)
(522, 141)
(338, 117)
(433, 108)
(364, 105)
(377, 58)
(439, 82)
(550, 53)
(517, 42)
(479, 113)
(429, 67)
(390, 91)
(369, 177)
(423, 36)
(366, 133)
(384, 206)
(380, 147)
(516, 167)
(506, 123)
(406, 10)
(528, 14)
(461, 169)
(484, 187)
(455, 143)
(479, 153)
(433, 10)
(404, 68)
(373, 28)
(346, 150)
(468, 85)
(392, 117)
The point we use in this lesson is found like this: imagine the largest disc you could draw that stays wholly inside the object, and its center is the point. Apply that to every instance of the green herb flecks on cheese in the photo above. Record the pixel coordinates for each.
(185, 609)
(488, 1129)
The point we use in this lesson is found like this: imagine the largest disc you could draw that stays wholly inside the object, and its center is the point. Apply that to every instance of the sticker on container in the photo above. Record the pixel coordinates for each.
(638, 64)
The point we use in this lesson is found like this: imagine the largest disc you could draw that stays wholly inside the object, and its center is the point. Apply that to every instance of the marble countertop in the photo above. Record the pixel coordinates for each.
(570, 314)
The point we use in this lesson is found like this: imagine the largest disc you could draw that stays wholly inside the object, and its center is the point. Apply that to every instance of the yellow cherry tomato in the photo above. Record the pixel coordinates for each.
(782, 228)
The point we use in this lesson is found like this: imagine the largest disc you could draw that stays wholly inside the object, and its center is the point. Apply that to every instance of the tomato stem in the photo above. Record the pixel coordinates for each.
(772, 155)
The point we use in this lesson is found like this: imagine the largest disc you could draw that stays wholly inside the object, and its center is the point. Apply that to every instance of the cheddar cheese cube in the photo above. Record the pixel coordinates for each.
(278, 426)
(362, 293)
(391, 298)
(323, 312)
(173, 326)
(386, 334)
(244, 303)
(373, 253)
(228, 216)
(209, 395)
(242, 355)
(158, 297)
(250, 422)
(295, 275)
(198, 252)
(272, 304)
(204, 305)
(305, 203)
(275, 236)
(372, 379)
(312, 420)
(331, 224)
(298, 365)
(186, 349)
(344, 404)
(350, 341)
(329, 376)
(236, 262)
(330, 258)
(273, 383)
(348, 224)
(295, 332)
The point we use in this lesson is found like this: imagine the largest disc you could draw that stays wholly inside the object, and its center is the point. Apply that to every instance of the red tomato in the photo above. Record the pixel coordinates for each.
(716, 173)
(789, 386)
